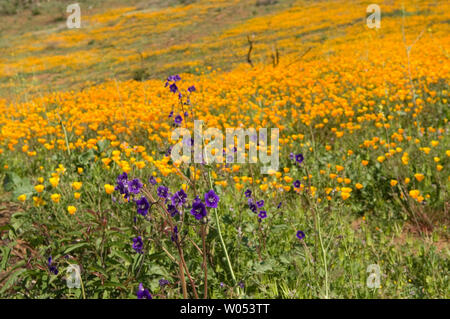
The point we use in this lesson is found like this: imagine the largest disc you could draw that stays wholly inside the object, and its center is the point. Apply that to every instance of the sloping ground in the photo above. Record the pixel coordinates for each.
(193, 38)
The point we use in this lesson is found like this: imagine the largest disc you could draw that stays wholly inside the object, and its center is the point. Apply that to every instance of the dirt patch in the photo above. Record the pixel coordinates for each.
(416, 233)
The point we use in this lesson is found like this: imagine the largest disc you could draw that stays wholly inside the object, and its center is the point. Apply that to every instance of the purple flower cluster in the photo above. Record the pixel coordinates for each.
(171, 82)
(138, 244)
(133, 187)
(176, 200)
(52, 268)
(126, 187)
(143, 293)
(199, 209)
(255, 205)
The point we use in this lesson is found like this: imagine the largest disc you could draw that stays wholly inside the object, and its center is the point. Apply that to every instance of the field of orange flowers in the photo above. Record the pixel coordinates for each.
(357, 209)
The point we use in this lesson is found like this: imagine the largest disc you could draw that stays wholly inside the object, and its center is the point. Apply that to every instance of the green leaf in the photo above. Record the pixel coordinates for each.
(11, 181)
(113, 284)
(263, 267)
(98, 269)
(11, 279)
(8, 227)
(102, 145)
(6, 252)
(136, 262)
(74, 247)
(126, 257)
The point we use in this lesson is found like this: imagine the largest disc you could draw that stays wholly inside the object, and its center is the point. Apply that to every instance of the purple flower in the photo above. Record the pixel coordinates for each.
(297, 184)
(172, 210)
(135, 186)
(52, 269)
(138, 244)
(173, 78)
(169, 151)
(191, 89)
(171, 114)
(142, 206)
(122, 178)
(262, 214)
(178, 119)
(260, 203)
(253, 207)
(152, 180)
(198, 209)
(163, 191)
(143, 293)
(122, 184)
(248, 193)
(279, 205)
(163, 282)
(122, 188)
(174, 236)
(299, 158)
(179, 198)
(300, 235)
(173, 88)
(212, 199)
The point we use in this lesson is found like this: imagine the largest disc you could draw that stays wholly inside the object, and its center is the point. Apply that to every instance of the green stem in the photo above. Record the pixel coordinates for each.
(221, 239)
(324, 256)
(65, 137)
(224, 247)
